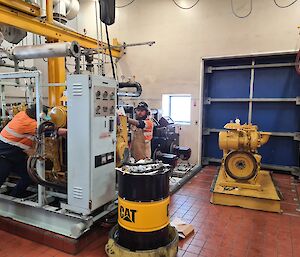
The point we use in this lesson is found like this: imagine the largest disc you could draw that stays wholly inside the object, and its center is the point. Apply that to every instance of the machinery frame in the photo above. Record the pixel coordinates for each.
(39, 213)
(203, 131)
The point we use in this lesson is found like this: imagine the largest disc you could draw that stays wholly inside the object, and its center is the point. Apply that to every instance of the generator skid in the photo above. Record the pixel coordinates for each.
(240, 181)
(74, 178)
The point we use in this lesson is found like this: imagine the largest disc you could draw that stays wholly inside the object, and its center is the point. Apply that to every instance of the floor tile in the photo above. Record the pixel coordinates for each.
(220, 231)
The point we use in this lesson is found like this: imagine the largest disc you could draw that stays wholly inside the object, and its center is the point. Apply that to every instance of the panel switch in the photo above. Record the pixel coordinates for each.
(111, 125)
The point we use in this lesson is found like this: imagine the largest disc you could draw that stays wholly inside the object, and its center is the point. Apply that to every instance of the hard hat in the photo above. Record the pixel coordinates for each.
(142, 105)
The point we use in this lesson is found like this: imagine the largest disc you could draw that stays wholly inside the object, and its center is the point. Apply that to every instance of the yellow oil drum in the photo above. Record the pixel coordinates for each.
(143, 203)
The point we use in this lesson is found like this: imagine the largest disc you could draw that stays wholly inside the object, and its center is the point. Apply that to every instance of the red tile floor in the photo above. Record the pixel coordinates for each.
(219, 231)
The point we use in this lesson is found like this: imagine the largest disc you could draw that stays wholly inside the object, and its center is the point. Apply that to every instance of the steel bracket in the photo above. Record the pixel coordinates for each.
(206, 132)
(207, 100)
(209, 69)
(205, 161)
(297, 136)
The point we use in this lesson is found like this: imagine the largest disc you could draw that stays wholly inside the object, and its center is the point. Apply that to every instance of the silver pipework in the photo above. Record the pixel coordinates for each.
(47, 51)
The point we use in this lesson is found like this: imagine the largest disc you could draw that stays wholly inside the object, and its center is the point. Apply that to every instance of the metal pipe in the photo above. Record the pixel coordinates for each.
(20, 67)
(43, 8)
(3, 102)
(210, 100)
(102, 46)
(49, 10)
(16, 70)
(97, 26)
(210, 69)
(67, 8)
(47, 51)
(251, 94)
(60, 7)
(40, 163)
(200, 121)
(135, 85)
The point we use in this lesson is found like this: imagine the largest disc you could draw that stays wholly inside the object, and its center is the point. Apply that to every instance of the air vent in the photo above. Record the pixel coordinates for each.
(77, 192)
(77, 90)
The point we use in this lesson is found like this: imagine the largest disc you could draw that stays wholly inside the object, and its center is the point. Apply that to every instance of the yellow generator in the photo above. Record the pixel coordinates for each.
(240, 181)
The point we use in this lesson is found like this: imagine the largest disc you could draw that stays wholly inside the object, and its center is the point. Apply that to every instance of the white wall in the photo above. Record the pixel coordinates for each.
(182, 37)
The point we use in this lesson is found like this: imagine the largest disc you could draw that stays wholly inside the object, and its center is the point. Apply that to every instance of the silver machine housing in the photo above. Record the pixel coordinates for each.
(91, 142)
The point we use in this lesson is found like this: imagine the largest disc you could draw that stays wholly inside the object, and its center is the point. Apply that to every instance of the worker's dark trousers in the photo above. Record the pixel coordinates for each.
(15, 163)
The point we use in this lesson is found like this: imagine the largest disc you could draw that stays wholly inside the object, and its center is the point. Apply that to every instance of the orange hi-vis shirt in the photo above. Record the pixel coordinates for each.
(20, 131)
(148, 130)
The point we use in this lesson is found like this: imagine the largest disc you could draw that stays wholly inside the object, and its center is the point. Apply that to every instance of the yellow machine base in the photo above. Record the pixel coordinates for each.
(265, 199)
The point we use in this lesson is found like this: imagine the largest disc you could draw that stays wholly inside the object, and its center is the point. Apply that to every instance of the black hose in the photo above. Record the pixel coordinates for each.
(45, 126)
(32, 172)
(110, 54)
(135, 85)
(32, 161)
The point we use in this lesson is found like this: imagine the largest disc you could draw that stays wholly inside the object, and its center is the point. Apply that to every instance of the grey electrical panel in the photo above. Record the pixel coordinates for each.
(91, 142)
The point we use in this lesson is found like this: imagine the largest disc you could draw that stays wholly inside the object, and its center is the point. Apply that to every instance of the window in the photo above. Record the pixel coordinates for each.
(178, 107)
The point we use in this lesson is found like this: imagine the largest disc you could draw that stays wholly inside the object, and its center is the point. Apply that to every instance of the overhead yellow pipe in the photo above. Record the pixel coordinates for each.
(56, 74)
(49, 10)
(56, 66)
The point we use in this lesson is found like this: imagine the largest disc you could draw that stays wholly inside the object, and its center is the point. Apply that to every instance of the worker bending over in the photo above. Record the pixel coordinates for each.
(142, 128)
(16, 142)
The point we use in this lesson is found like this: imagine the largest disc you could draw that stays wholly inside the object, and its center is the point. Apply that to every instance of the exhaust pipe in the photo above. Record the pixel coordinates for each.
(135, 85)
(47, 51)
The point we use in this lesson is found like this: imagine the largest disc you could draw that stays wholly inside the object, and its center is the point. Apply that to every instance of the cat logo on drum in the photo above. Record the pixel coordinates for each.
(127, 214)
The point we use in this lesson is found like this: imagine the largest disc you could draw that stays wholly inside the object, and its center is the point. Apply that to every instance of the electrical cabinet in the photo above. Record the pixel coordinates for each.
(91, 142)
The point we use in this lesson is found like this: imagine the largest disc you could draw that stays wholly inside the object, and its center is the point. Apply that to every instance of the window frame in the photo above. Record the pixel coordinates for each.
(169, 99)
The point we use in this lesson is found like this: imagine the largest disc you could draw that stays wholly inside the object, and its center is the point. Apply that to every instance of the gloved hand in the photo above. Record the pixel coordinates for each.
(121, 112)
(62, 132)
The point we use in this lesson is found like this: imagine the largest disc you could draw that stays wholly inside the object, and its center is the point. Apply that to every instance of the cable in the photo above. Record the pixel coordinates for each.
(285, 6)
(125, 5)
(186, 8)
(245, 16)
(110, 55)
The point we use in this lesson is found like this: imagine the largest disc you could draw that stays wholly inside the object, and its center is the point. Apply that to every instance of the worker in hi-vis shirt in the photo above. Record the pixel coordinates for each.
(16, 142)
(142, 127)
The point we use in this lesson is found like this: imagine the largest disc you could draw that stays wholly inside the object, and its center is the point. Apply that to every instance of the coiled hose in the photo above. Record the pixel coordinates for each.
(44, 128)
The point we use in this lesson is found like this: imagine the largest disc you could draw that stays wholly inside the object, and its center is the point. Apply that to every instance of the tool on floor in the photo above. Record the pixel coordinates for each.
(240, 181)
(143, 217)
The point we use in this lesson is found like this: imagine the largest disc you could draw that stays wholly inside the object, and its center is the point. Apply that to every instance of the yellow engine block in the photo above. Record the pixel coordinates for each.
(122, 148)
(239, 143)
(240, 181)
